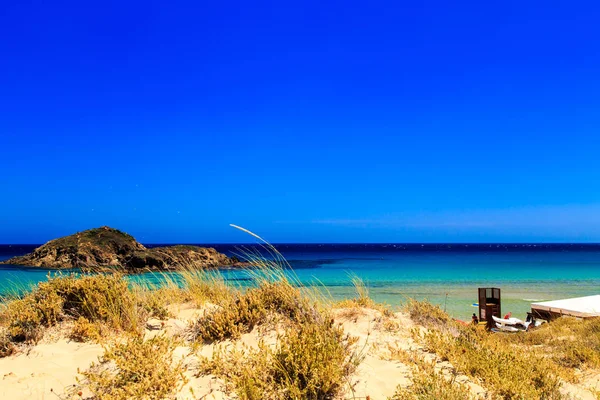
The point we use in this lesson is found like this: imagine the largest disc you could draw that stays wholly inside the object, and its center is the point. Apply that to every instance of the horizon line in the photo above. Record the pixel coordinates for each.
(334, 243)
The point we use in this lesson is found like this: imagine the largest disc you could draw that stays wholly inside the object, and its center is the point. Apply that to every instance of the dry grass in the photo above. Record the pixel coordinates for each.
(136, 369)
(97, 298)
(154, 302)
(6, 345)
(312, 360)
(428, 315)
(361, 300)
(429, 384)
(83, 331)
(508, 371)
(276, 294)
(188, 284)
(206, 286)
(246, 310)
(569, 342)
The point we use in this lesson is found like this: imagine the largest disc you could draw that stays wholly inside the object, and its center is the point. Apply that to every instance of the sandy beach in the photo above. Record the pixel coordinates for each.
(50, 368)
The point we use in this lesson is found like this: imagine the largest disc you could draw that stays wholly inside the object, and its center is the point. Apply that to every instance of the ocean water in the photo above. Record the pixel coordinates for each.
(446, 274)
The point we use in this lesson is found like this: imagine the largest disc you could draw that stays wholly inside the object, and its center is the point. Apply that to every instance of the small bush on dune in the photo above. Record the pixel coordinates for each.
(25, 321)
(104, 298)
(136, 369)
(427, 314)
(6, 346)
(154, 303)
(97, 298)
(83, 330)
(313, 361)
(251, 308)
(361, 300)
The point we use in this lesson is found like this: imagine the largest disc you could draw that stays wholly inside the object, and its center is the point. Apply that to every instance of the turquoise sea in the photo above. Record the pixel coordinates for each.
(446, 274)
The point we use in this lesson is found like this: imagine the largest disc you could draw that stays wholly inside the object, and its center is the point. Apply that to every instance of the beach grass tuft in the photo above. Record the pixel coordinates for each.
(427, 314)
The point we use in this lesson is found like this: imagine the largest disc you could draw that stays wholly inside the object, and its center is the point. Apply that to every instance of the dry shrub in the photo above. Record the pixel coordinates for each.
(362, 299)
(243, 312)
(202, 286)
(569, 342)
(427, 314)
(389, 325)
(136, 369)
(25, 321)
(83, 330)
(429, 384)
(98, 298)
(154, 302)
(103, 298)
(312, 361)
(351, 313)
(595, 392)
(6, 346)
(508, 371)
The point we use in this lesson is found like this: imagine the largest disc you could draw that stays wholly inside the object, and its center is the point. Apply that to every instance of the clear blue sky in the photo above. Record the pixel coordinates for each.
(303, 121)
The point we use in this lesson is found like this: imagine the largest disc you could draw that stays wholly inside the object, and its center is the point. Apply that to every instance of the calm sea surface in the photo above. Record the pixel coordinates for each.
(446, 274)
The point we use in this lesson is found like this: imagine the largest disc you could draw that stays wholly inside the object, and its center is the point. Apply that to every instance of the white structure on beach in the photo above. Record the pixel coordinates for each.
(581, 307)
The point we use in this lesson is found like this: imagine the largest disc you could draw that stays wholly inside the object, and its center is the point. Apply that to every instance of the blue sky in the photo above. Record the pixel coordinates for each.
(304, 122)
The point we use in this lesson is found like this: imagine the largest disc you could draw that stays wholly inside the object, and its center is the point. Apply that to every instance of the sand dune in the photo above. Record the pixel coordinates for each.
(50, 369)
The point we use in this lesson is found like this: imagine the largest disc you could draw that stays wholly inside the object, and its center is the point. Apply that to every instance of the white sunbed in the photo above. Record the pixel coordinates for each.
(510, 324)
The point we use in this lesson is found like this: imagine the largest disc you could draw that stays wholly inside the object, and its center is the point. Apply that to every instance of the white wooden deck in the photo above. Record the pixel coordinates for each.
(583, 307)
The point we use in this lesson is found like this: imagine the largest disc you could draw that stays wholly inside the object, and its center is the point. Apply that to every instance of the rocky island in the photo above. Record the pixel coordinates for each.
(107, 248)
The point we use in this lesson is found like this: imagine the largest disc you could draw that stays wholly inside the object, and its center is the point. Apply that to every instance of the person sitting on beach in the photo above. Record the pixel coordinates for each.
(475, 319)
